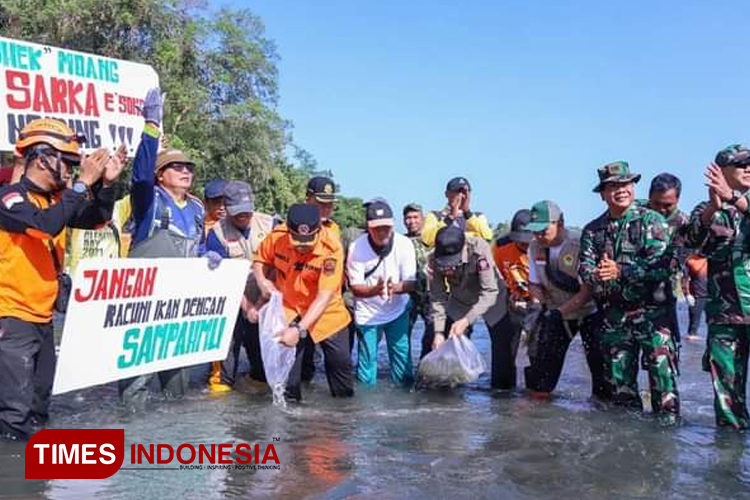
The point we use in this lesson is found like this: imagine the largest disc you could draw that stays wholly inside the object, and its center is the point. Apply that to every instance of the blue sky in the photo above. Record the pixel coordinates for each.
(524, 98)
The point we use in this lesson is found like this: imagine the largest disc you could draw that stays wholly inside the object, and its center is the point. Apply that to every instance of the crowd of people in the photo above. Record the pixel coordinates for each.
(616, 282)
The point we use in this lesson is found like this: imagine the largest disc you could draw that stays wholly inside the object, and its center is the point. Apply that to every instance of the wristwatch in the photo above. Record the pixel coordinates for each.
(302, 331)
(80, 187)
(734, 199)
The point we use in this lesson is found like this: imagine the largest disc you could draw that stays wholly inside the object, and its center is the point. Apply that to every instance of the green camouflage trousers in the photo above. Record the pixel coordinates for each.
(624, 336)
(727, 358)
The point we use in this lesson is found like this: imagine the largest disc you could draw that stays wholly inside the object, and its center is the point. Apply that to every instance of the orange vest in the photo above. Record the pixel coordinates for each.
(28, 278)
(513, 265)
(300, 276)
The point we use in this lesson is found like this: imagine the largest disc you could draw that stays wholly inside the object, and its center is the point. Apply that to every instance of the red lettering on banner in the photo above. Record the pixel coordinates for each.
(17, 81)
(53, 95)
(108, 284)
(109, 102)
(74, 453)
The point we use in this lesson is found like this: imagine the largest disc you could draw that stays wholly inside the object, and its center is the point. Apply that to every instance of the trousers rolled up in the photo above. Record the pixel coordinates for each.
(546, 365)
(727, 358)
(337, 362)
(398, 344)
(27, 370)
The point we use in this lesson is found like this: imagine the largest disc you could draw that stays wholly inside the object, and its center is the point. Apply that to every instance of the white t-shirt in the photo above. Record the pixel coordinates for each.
(554, 253)
(400, 265)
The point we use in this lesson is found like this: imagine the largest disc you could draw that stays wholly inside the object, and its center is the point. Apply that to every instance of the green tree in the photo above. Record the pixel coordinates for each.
(219, 71)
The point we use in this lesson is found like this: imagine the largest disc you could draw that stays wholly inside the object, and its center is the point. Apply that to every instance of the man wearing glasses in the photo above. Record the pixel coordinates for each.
(168, 219)
(722, 225)
(168, 223)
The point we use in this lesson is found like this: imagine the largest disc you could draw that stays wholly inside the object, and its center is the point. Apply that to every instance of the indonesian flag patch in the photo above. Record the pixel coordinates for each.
(11, 199)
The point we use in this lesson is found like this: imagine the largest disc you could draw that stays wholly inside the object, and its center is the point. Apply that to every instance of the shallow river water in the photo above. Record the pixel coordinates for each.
(468, 442)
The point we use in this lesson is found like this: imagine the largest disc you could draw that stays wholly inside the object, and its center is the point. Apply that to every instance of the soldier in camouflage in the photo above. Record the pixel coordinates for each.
(721, 226)
(664, 197)
(413, 221)
(625, 260)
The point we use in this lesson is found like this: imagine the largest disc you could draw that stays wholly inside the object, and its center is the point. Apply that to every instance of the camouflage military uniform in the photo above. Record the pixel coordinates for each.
(634, 307)
(421, 297)
(728, 308)
(677, 223)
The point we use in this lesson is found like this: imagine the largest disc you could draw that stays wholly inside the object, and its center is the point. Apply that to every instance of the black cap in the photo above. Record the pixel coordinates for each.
(378, 213)
(449, 246)
(322, 189)
(518, 231)
(303, 221)
(458, 184)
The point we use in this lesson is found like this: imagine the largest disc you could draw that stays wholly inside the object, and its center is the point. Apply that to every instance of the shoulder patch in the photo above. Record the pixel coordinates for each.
(568, 259)
(329, 266)
(483, 264)
(12, 198)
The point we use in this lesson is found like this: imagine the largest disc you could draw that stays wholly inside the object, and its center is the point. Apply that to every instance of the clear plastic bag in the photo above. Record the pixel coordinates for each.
(277, 358)
(456, 361)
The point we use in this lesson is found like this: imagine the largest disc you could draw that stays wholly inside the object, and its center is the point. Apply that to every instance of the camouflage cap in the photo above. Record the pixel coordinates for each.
(617, 172)
(735, 155)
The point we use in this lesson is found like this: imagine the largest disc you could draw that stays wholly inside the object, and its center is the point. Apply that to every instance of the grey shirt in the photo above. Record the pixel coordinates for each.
(475, 289)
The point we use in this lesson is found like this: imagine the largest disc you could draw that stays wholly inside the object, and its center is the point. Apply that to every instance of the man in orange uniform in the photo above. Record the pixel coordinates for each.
(307, 266)
(33, 215)
(511, 258)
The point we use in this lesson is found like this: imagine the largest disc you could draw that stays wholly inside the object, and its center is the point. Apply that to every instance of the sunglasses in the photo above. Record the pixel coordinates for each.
(182, 167)
(743, 165)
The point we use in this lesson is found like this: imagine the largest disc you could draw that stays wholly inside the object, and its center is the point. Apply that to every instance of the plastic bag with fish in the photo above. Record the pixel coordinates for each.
(277, 358)
(456, 361)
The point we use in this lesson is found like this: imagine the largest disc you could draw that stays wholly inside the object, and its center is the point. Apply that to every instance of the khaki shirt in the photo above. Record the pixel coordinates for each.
(475, 290)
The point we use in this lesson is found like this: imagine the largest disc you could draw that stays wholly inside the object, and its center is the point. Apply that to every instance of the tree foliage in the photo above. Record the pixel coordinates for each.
(218, 70)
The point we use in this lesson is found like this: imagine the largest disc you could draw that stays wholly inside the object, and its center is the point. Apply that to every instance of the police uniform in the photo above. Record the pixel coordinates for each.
(32, 243)
(474, 224)
(474, 290)
(299, 277)
(635, 312)
(555, 271)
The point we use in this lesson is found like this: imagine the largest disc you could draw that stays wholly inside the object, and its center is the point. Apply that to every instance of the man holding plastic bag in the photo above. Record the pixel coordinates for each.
(466, 286)
(307, 269)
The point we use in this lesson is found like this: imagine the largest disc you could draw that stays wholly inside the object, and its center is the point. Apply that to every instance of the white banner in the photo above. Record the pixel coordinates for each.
(96, 96)
(127, 317)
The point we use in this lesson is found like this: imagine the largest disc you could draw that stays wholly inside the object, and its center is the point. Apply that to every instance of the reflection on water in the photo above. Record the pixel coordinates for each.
(468, 442)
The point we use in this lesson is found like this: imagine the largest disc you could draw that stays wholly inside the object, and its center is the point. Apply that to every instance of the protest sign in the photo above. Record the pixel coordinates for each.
(96, 96)
(128, 317)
